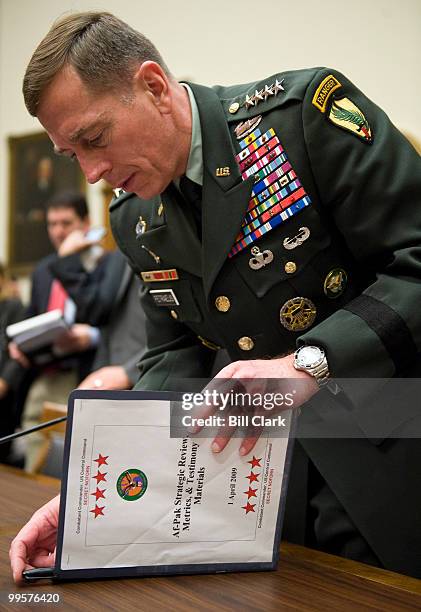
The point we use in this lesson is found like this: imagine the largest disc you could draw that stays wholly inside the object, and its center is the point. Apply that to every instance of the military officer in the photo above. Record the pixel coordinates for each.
(267, 217)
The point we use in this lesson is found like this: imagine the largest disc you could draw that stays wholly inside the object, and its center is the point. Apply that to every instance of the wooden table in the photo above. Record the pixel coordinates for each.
(305, 579)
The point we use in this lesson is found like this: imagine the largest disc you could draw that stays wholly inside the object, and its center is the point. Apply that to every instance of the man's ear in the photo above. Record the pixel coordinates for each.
(151, 79)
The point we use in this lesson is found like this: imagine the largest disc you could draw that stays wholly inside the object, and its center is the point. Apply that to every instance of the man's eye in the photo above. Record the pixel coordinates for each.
(96, 141)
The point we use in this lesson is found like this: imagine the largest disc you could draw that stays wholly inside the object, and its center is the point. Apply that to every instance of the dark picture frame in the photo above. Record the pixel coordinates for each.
(36, 173)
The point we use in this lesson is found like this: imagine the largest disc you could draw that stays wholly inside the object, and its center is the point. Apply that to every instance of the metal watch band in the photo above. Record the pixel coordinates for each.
(320, 373)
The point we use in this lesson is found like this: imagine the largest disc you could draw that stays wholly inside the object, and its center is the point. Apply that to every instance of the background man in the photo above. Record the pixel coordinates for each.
(66, 212)
(111, 303)
(303, 229)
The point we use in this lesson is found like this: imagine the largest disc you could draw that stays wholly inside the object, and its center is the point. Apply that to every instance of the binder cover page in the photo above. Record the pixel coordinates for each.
(136, 498)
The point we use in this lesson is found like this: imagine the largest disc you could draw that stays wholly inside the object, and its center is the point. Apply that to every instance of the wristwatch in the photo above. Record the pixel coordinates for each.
(312, 359)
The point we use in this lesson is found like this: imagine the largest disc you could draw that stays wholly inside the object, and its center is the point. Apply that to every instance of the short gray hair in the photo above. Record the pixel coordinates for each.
(103, 50)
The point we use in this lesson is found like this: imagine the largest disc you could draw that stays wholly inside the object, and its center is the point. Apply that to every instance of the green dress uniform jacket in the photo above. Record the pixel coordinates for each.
(350, 284)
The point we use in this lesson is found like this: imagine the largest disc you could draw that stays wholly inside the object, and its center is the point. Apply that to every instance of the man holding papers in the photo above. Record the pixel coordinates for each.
(70, 359)
(263, 218)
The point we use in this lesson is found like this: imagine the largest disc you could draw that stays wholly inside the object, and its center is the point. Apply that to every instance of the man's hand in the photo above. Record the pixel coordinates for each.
(77, 339)
(16, 354)
(75, 243)
(111, 377)
(35, 544)
(254, 373)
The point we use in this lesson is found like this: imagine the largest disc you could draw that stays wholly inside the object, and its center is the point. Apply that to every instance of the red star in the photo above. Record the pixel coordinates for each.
(98, 511)
(248, 507)
(255, 462)
(99, 493)
(100, 477)
(101, 460)
(250, 493)
(253, 477)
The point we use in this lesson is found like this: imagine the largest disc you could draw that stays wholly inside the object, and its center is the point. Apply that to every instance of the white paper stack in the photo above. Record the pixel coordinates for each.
(38, 332)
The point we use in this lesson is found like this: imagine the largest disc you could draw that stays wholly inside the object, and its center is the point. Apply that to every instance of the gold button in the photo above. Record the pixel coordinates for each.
(173, 314)
(290, 267)
(222, 303)
(234, 108)
(245, 343)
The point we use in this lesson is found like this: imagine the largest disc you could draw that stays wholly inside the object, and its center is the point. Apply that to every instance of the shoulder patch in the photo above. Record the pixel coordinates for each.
(346, 115)
(324, 91)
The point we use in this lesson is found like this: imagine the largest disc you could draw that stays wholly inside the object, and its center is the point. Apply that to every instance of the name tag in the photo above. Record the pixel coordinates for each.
(164, 297)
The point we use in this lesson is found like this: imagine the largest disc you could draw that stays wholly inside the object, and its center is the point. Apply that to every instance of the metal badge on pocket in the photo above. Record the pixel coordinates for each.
(335, 283)
(140, 226)
(260, 259)
(297, 240)
(297, 314)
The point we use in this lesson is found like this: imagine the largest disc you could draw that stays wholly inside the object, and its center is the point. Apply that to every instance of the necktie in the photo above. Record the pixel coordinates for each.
(192, 193)
(58, 296)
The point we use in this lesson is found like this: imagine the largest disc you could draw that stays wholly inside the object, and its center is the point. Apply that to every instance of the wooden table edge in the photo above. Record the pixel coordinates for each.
(47, 480)
(347, 566)
(288, 550)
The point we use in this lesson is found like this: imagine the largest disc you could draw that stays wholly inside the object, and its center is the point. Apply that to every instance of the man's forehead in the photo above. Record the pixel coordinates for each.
(68, 109)
(62, 211)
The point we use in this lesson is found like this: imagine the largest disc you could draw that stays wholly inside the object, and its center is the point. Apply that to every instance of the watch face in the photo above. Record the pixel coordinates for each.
(309, 356)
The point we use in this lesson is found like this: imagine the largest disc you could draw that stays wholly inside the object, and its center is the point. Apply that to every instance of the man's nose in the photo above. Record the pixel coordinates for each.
(93, 169)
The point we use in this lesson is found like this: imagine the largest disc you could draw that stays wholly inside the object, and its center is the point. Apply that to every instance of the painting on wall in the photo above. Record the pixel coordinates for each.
(36, 174)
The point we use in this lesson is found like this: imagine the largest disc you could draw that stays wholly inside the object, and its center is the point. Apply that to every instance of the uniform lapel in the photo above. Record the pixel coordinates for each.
(225, 198)
(176, 240)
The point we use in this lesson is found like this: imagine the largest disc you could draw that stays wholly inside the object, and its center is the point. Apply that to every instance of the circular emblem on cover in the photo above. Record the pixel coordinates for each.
(335, 283)
(132, 484)
(245, 343)
(298, 314)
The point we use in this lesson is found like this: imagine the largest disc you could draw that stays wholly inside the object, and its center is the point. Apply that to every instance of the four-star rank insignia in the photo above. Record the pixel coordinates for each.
(258, 96)
(346, 115)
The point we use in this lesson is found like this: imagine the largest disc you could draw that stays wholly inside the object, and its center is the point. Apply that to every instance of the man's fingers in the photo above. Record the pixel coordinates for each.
(219, 390)
(22, 548)
(249, 443)
(44, 559)
(222, 438)
(18, 558)
(200, 412)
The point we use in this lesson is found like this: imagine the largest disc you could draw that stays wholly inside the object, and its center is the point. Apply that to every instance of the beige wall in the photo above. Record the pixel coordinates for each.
(375, 42)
